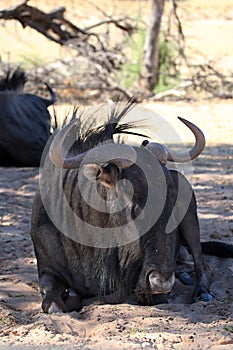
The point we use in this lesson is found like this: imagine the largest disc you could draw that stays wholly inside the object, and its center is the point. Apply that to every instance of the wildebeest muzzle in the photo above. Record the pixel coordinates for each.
(160, 283)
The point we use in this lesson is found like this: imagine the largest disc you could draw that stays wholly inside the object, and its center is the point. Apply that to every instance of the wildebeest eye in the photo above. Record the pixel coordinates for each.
(108, 175)
(135, 211)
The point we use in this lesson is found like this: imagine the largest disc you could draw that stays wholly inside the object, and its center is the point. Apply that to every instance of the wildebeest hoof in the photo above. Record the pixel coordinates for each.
(72, 300)
(185, 278)
(54, 308)
(204, 297)
(53, 305)
(207, 297)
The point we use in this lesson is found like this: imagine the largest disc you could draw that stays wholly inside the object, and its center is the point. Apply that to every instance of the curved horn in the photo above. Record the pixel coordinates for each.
(53, 98)
(197, 148)
(105, 153)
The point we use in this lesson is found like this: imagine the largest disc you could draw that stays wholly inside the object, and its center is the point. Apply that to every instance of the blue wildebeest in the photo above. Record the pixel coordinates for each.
(90, 246)
(24, 121)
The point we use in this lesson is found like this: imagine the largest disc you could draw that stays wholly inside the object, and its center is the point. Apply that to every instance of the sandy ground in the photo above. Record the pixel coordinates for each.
(179, 325)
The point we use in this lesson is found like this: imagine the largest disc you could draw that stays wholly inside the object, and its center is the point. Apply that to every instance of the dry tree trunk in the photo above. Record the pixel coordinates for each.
(150, 70)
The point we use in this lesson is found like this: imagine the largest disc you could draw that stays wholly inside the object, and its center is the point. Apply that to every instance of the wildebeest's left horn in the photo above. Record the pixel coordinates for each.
(195, 151)
(105, 153)
(53, 98)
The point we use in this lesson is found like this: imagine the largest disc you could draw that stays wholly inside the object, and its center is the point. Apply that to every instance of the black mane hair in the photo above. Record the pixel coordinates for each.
(96, 126)
(13, 80)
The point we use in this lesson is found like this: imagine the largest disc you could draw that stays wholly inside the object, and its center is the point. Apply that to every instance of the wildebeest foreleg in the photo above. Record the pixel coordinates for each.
(189, 229)
(56, 297)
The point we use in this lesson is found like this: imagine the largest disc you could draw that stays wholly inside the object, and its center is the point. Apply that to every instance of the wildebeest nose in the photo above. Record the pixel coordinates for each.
(160, 284)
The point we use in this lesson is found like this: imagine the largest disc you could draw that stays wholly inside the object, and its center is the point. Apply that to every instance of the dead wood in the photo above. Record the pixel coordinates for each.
(103, 60)
(207, 78)
(54, 26)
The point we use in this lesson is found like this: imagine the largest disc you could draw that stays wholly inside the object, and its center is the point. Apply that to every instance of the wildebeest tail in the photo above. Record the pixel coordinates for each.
(13, 80)
(220, 249)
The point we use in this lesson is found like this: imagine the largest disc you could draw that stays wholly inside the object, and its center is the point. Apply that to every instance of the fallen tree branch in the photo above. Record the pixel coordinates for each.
(54, 26)
(207, 78)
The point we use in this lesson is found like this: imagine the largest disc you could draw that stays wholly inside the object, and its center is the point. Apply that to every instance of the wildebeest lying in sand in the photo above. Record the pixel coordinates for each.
(109, 218)
(24, 121)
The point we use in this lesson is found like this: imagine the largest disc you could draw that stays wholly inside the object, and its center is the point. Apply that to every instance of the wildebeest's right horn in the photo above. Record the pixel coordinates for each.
(104, 153)
(195, 151)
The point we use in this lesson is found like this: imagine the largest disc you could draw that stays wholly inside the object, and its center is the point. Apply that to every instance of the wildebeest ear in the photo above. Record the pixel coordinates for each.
(108, 175)
(145, 142)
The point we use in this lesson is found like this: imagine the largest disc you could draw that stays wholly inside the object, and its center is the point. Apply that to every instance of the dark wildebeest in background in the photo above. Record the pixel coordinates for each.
(24, 121)
(134, 263)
